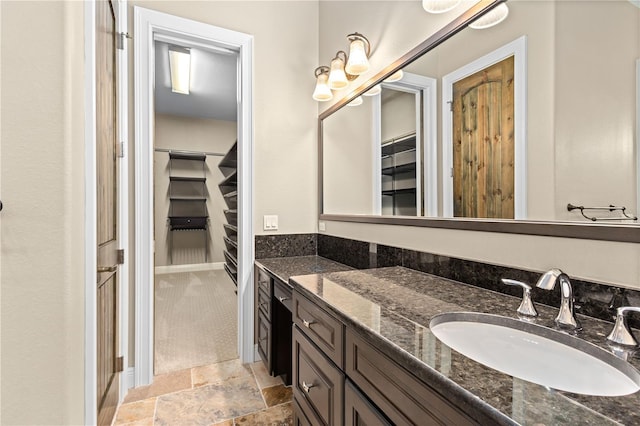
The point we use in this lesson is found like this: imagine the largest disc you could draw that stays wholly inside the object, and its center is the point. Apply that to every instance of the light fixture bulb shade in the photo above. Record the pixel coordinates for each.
(180, 68)
(396, 76)
(322, 92)
(357, 101)
(439, 6)
(373, 91)
(358, 62)
(491, 18)
(337, 77)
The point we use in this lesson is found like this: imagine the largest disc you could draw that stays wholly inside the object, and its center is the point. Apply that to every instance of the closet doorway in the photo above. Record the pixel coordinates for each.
(198, 253)
(195, 205)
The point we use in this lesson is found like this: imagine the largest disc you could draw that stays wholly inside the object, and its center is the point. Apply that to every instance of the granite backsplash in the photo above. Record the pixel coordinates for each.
(592, 299)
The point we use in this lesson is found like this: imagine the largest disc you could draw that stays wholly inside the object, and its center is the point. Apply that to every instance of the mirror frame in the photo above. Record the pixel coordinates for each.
(603, 232)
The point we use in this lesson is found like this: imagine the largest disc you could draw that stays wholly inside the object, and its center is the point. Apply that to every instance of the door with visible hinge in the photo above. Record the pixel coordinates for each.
(108, 253)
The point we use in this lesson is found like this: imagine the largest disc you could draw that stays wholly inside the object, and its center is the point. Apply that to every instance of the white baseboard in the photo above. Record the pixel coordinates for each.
(256, 354)
(130, 377)
(188, 268)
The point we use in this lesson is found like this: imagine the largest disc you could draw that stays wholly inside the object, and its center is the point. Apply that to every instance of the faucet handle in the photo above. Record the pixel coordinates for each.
(621, 333)
(526, 307)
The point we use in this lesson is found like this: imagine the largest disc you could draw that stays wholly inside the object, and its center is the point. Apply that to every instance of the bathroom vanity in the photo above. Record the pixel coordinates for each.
(363, 352)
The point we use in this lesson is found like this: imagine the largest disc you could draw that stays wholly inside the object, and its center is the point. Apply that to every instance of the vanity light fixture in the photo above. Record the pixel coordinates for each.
(396, 76)
(373, 91)
(439, 6)
(337, 76)
(344, 68)
(357, 101)
(180, 68)
(491, 18)
(322, 92)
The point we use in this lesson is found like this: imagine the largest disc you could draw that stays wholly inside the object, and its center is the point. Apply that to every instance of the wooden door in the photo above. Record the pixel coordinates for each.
(483, 149)
(107, 226)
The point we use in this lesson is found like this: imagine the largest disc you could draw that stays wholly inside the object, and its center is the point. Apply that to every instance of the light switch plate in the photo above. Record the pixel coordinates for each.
(322, 226)
(270, 222)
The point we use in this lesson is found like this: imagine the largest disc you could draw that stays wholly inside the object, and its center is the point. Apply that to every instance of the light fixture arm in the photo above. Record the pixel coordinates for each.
(323, 69)
(358, 36)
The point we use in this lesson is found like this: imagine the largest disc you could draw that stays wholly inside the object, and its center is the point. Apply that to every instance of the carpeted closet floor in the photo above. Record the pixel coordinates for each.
(196, 319)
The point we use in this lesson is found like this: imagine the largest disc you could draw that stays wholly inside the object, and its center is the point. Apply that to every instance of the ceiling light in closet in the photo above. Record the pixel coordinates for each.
(180, 67)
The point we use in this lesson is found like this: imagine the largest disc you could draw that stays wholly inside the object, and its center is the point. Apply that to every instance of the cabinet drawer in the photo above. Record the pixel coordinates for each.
(400, 396)
(304, 418)
(282, 293)
(264, 340)
(264, 303)
(358, 410)
(320, 326)
(318, 386)
(264, 281)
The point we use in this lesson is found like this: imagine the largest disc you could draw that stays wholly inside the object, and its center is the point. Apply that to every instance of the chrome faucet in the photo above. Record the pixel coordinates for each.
(566, 318)
(621, 333)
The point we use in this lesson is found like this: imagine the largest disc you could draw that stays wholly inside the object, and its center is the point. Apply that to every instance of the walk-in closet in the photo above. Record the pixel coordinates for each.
(195, 211)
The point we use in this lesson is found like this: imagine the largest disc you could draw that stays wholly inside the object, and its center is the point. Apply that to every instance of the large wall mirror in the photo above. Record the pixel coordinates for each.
(504, 125)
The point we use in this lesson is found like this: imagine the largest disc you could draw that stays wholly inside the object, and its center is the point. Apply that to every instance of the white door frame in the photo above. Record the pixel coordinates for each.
(147, 23)
(90, 272)
(425, 90)
(517, 49)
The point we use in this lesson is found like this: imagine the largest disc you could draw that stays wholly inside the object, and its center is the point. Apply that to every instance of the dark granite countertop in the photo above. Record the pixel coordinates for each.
(392, 307)
(285, 267)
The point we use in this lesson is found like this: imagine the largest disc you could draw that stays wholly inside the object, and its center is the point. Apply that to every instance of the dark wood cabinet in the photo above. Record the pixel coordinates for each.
(273, 324)
(339, 377)
(318, 385)
(358, 411)
(321, 327)
(402, 397)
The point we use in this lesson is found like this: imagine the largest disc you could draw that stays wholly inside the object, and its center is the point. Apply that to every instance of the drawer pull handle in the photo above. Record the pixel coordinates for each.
(306, 387)
(282, 299)
(307, 323)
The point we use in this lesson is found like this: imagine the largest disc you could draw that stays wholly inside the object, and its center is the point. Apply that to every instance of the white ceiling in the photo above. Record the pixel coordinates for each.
(213, 92)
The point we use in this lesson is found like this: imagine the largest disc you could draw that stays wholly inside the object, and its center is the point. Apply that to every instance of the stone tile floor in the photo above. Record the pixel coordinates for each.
(226, 394)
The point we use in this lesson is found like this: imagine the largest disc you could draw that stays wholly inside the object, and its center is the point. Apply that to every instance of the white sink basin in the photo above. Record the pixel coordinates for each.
(537, 354)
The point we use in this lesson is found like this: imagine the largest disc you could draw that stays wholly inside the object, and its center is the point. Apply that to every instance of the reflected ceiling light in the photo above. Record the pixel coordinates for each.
(180, 67)
(322, 92)
(491, 18)
(337, 76)
(343, 67)
(373, 91)
(357, 101)
(359, 50)
(439, 6)
(396, 76)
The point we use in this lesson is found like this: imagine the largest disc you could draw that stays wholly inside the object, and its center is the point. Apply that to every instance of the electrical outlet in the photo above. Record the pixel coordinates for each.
(270, 223)
(322, 226)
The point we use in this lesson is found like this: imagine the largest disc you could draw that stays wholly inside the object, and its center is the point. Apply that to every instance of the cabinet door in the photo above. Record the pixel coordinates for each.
(358, 411)
(318, 385)
(264, 341)
(397, 393)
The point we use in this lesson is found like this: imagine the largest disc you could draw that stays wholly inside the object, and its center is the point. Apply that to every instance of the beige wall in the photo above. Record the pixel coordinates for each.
(190, 134)
(42, 223)
(348, 181)
(608, 262)
(398, 114)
